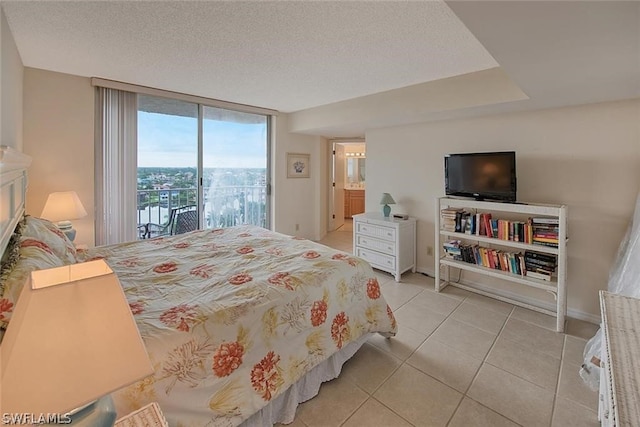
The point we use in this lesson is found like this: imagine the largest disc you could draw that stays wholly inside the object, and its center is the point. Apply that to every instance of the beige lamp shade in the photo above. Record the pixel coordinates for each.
(71, 340)
(63, 206)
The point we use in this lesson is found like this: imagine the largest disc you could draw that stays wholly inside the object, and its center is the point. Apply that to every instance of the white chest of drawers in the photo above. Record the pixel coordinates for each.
(388, 244)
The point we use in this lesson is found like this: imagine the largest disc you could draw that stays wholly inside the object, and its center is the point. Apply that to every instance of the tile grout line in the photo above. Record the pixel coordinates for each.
(404, 362)
(557, 390)
(370, 395)
(465, 394)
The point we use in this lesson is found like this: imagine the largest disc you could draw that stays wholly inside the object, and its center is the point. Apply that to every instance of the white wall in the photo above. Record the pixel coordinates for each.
(11, 81)
(301, 201)
(59, 135)
(586, 157)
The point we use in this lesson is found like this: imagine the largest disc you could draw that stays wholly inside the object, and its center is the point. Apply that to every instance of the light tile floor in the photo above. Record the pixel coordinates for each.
(459, 359)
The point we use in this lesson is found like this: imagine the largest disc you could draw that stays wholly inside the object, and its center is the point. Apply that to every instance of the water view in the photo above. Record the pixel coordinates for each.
(232, 196)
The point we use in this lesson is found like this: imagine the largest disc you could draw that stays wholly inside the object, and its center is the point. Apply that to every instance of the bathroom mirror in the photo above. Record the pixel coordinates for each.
(355, 170)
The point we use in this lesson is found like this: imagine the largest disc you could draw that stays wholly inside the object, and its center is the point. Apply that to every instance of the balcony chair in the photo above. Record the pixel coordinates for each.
(181, 220)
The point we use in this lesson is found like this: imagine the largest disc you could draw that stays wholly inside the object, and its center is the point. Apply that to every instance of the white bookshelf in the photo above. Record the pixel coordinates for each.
(508, 211)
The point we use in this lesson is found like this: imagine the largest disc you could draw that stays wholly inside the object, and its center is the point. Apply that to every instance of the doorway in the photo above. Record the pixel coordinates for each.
(348, 181)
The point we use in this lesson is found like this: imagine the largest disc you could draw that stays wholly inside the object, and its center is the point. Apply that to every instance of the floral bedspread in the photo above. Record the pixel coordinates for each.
(232, 317)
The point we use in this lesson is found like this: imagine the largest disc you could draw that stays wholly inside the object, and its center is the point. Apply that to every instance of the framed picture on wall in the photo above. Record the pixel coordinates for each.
(298, 165)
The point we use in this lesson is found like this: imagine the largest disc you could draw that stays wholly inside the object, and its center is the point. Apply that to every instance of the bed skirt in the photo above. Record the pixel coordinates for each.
(283, 408)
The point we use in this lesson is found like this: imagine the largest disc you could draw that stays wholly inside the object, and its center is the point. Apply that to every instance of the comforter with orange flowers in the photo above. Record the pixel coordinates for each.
(232, 317)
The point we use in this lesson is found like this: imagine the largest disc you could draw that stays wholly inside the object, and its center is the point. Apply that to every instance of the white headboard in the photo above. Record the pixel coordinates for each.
(13, 191)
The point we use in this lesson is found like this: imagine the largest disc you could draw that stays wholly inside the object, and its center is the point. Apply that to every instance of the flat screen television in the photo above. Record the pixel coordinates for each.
(481, 175)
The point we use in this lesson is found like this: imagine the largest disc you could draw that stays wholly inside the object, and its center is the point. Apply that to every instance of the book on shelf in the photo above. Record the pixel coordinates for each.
(537, 275)
(548, 244)
(545, 239)
(540, 264)
(452, 249)
(546, 220)
(540, 256)
(458, 221)
(450, 218)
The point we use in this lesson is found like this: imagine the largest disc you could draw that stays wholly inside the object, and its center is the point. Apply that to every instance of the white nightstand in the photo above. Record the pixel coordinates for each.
(147, 416)
(388, 244)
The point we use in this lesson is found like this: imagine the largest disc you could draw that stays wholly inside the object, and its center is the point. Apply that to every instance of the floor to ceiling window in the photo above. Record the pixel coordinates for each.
(235, 168)
(167, 157)
(182, 145)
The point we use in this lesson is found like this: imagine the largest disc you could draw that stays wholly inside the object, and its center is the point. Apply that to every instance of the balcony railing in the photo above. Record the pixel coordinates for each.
(223, 206)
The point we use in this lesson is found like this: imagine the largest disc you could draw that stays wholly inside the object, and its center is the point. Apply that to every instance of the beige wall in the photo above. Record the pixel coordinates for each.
(301, 201)
(59, 135)
(586, 157)
(11, 82)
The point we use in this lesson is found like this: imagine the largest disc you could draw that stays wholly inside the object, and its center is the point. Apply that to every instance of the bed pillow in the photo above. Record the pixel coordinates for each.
(11, 255)
(42, 232)
(34, 255)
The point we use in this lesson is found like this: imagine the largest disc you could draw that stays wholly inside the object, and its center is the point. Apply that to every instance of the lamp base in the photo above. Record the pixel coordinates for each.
(67, 229)
(70, 233)
(386, 210)
(101, 413)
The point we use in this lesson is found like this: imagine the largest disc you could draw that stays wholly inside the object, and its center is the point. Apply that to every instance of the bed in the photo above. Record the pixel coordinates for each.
(241, 323)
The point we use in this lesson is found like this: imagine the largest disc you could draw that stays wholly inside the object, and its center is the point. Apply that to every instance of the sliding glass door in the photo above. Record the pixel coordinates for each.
(235, 166)
(167, 159)
(213, 160)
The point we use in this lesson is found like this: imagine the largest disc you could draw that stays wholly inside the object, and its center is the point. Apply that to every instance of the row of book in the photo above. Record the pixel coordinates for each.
(540, 266)
(531, 264)
(537, 231)
(545, 231)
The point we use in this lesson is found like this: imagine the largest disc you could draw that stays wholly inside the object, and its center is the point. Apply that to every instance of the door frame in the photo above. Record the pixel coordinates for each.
(331, 178)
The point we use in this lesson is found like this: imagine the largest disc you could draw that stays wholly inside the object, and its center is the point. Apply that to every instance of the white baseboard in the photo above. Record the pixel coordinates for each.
(574, 314)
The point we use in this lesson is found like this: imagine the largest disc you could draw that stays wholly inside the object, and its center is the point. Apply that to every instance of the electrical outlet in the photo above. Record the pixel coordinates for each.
(297, 227)
(430, 250)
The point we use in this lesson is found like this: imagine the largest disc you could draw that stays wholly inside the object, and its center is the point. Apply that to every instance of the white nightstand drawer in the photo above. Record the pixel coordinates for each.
(386, 233)
(377, 258)
(379, 245)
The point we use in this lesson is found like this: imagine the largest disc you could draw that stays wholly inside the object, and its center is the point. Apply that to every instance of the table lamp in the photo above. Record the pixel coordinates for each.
(386, 201)
(62, 207)
(71, 340)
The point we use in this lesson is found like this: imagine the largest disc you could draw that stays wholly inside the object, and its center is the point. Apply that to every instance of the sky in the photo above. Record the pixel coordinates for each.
(172, 141)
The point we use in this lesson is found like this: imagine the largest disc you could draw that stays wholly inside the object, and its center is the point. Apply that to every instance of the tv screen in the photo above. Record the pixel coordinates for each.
(481, 175)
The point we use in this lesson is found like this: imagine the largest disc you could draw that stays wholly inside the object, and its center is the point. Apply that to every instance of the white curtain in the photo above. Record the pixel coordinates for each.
(116, 166)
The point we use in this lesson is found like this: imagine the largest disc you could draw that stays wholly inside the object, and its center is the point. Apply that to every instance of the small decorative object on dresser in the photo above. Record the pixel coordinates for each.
(386, 201)
(388, 244)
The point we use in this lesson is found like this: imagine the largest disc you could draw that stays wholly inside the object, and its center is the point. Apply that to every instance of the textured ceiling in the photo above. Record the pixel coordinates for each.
(286, 56)
(342, 67)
